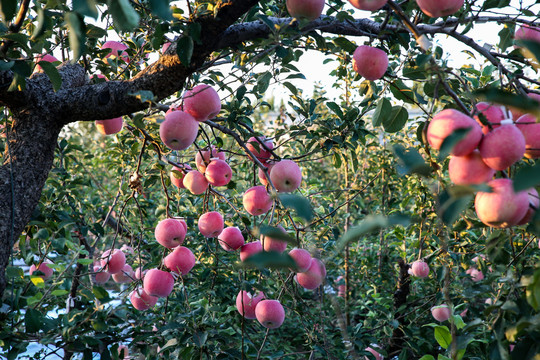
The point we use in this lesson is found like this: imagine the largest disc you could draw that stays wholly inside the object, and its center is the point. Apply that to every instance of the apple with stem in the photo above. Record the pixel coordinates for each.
(370, 62)
(257, 201)
(179, 130)
(231, 238)
(270, 313)
(305, 9)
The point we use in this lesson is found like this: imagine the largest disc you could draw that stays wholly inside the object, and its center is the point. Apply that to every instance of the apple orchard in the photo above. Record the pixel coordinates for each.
(157, 201)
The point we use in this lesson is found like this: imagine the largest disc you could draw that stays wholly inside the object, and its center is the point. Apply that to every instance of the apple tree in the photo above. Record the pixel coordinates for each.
(152, 189)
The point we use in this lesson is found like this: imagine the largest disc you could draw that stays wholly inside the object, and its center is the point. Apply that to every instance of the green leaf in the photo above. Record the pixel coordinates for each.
(161, 8)
(443, 336)
(527, 177)
(184, 50)
(269, 259)
(85, 261)
(291, 87)
(200, 337)
(86, 8)
(20, 39)
(300, 204)
(52, 73)
(76, 33)
(410, 161)
(101, 294)
(59, 292)
(499, 96)
(382, 111)
(32, 320)
(144, 96)
(370, 224)
(345, 44)
(18, 83)
(14, 272)
(506, 36)
(458, 322)
(124, 15)
(277, 233)
(451, 141)
(6, 65)
(451, 207)
(427, 357)
(263, 81)
(8, 8)
(397, 119)
(335, 108)
(43, 23)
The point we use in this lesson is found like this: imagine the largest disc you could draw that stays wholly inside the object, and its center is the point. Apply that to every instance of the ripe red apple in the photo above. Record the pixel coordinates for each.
(271, 244)
(179, 130)
(195, 182)
(139, 273)
(441, 313)
(114, 261)
(211, 224)
(44, 57)
(126, 275)
(286, 176)
(170, 233)
(445, 123)
(313, 277)
(368, 5)
(305, 9)
(180, 261)
(44, 268)
(254, 145)
(469, 169)
(117, 49)
(218, 172)
(270, 313)
(439, 8)
(493, 114)
(231, 238)
(257, 201)
(302, 258)
(535, 202)
(261, 175)
(503, 146)
(203, 157)
(375, 353)
(370, 62)
(101, 276)
(177, 176)
(503, 207)
(476, 275)
(202, 102)
(109, 126)
(531, 132)
(246, 303)
(158, 283)
(420, 269)
(527, 32)
(141, 300)
(249, 249)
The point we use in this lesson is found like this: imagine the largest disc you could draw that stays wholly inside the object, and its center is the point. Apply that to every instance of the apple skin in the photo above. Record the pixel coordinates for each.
(202, 160)
(502, 147)
(370, 62)
(420, 269)
(125, 276)
(305, 9)
(116, 48)
(211, 224)
(445, 123)
(262, 177)
(115, 262)
(535, 202)
(249, 303)
(158, 283)
(286, 176)
(439, 8)
(270, 313)
(179, 181)
(170, 233)
(249, 249)
(179, 130)
(101, 276)
(469, 169)
(218, 172)
(109, 126)
(501, 208)
(527, 32)
(141, 300)
(180, 261)
(44, 268)
(493, 113)
(302, 258)
(313, 277)
(476, 275)
(440, 313)
(195, 182)
(260, 153)
(377, 355)
(202, 102)
(139, 273)
(257, 201)
(531, 132)
(231, 238)
(368, 5)
(44, 57)
(271, 244)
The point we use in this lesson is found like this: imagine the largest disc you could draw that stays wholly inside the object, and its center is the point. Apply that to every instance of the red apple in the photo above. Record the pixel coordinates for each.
(202, 102)
(180, 261)
(476, 275)
(218, 172)
(249, 249)
(170, 233)
(202, 157)
(44, 268)
(501, 208)
(254, 145)
(531, 132)
(114, 261)
(375, 353)
(117, 49)
(420, 269)
(445, 123)
(126, 275)
(305, 9)
(141, 300)
(503, 146)
(139, 273)
(211, 224)
(257, 201)
(535, 202)
(286, 176)
(44, 57)
(177, 176)
(261, 175)
(302, 258)
(246, 303)
(101, 276)
(195, 182)
(271, 244)
(527, 32)
(439, 8)
(370, 62)
(517, 113)
(179, 130)
(368, 5)
(313, 277)
(494, 114)
(469, 169)
(110, 126)
(231, 238)
(158, 283)
(270, 313)
(441, 313)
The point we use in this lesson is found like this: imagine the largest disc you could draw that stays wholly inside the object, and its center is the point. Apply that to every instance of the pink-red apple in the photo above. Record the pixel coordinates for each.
(202, 157)
(158, 283)
(109, 126)
(114, 261)
(368, 5)
(286, 176)
(211, 224)
(374, 352)
(313, 277)
(117, 49)
(126, 275)
(177, 176)
(179, 130)
(270, 313)
(439, 8)
(420, 269)
(271, 244)
(180, 261)
(250, 249)
(170, 233)
(257, 201)
(494, 114)
(195, 182)
(141, 300)
(101, 276)
(254, 145)
(231, 238)
(445, 123)
(43, 268)
(476, 275)
(469, 169)
(503, 146)
(202, 102)
(531, 132)
(534, 203)
(218, 172)
(527, 32)
(441, 313)
(246, 303)
(305, 9)
(370, 62)
(44, 57)
(302, 259)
